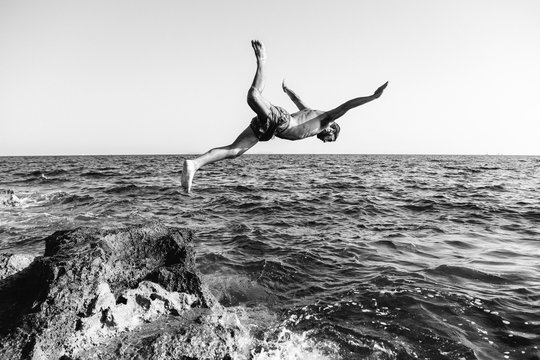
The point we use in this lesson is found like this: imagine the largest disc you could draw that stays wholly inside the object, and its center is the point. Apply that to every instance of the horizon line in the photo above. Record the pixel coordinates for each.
(262, 153)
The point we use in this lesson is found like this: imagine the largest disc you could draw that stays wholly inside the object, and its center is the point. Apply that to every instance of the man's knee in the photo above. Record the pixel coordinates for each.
(236, 152)
(254, 96)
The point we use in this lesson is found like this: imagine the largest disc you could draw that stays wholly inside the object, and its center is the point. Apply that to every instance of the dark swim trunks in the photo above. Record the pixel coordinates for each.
(274, 124)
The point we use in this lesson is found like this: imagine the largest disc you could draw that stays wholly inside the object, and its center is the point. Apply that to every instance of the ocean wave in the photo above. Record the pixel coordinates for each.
(133, 189)
(121, 189)
(459, 244)
(245, 188)
(42, 179)
(531, 215)
(57, 172)
(36, 199)
(385, 243)
(79, 199)
(382, 334)
(467, 273)
(99, 174)
(423, 205)
(47, 173)
(235, 290)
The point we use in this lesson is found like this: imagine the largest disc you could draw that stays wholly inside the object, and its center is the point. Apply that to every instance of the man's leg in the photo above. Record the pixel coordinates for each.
(256, 102)
(246, 139)
(243, 143)
(338, 112)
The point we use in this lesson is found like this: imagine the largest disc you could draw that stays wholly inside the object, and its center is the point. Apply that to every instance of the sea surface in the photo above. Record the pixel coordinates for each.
(324, 256)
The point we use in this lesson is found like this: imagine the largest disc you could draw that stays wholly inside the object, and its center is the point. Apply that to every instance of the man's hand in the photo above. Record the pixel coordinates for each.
(380, 90)
(292, 95)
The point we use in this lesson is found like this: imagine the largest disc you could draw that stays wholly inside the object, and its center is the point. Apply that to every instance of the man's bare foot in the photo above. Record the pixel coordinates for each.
(258, 47)
(188, 171)
(380, 90)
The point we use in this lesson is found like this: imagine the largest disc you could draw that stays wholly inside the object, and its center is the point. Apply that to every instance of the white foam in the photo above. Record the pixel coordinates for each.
(291, 345)
(263, 337)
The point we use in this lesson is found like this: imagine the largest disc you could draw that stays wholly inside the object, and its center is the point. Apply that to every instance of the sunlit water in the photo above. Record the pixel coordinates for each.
(325, 256)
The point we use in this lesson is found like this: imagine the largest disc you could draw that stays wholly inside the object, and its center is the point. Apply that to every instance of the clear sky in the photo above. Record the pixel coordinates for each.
(171, 77)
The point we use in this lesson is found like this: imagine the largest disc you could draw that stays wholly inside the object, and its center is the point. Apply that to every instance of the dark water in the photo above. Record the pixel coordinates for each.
(325, 256)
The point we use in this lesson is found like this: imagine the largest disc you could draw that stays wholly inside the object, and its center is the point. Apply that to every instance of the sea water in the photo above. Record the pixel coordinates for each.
(324, 256)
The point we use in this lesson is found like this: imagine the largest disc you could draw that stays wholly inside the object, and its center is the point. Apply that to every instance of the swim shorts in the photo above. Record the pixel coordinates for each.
(274, 124)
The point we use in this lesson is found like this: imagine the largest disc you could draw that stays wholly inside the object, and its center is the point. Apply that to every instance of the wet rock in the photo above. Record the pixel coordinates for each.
(13, 263)
(113, 294)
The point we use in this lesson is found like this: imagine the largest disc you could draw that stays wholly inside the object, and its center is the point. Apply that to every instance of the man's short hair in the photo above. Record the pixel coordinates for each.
(326, 132)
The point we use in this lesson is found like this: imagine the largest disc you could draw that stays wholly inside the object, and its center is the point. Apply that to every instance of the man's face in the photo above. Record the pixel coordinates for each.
(330, 135)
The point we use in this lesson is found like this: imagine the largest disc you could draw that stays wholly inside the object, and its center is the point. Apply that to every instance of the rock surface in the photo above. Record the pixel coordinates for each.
(113, 294)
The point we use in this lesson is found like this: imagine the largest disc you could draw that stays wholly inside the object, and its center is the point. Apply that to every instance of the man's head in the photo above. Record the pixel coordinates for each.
(329, 134)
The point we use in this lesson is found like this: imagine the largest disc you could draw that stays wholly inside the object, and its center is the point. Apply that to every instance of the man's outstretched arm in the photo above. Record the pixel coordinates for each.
(338, 112)
(295, 99)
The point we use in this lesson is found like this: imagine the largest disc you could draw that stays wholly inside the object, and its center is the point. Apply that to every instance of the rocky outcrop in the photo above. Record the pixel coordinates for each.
(113, 294)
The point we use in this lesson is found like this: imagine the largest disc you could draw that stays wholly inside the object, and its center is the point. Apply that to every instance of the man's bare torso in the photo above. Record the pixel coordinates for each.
(303, 124)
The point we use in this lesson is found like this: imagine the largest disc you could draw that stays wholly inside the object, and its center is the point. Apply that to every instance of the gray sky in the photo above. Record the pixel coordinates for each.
(150, 77)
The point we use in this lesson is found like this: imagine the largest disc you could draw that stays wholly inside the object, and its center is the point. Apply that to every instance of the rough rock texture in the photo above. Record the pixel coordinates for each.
(12, 263)
(196, 334)
(112, 294)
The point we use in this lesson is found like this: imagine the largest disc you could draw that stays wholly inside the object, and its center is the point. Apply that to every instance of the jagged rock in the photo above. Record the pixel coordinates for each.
(13, 263)
(96, 294)
(196, 334)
